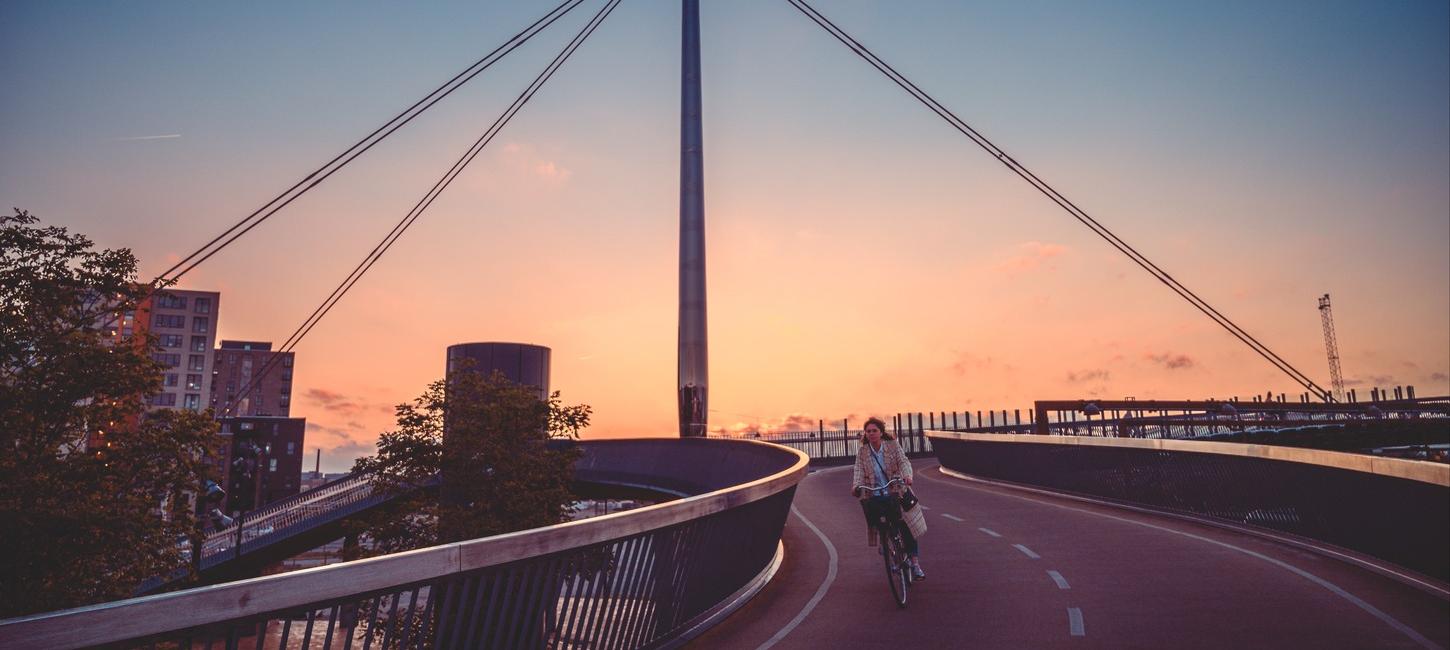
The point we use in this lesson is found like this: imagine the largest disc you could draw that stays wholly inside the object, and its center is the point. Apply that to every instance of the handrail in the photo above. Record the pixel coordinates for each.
(159, 614)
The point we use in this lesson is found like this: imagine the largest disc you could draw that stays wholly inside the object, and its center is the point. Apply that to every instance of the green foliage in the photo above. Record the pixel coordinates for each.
(93, 491)
(495, 445)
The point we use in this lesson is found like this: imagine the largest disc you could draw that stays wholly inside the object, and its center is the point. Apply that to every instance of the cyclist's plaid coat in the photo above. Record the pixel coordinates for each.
(897, 466)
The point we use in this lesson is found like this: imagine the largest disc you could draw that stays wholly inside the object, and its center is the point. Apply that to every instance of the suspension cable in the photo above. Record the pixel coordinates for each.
(407, 221)
(246, 224)
(1056, 197)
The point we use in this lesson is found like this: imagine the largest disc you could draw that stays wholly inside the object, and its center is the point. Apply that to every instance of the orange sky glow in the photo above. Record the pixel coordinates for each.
(863, 257)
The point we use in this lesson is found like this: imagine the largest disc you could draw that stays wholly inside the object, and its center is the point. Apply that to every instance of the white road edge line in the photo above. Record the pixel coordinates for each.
(1027, 551)
(1333, 588)
(1074, 622)
(991, 532)
(953, 518)
(820, 591)
(1057, 577)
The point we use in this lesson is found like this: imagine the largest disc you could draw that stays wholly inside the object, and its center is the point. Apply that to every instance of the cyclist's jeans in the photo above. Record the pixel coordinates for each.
(874, 506)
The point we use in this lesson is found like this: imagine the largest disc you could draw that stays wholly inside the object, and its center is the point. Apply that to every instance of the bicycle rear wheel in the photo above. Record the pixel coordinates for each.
(896, 569)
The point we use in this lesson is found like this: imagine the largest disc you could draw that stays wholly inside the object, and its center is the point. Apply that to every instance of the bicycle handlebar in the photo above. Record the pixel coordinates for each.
(877, 487)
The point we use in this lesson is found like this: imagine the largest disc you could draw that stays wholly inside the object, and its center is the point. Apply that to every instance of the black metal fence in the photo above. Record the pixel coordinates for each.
(841, 444)
(1396, 519)
(634, 579)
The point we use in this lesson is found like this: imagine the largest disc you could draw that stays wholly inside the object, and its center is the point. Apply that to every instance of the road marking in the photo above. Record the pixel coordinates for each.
(1074, 622)
(991, 532)
(1333, 588)
(1027, 551)
(820, 591)
(951, 517)
(1057, 577)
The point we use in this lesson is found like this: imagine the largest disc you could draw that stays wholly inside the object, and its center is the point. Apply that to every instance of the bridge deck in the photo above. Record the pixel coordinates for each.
(1135, 579)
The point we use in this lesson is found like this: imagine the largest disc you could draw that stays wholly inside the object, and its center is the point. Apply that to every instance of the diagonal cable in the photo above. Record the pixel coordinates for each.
(246, 224)
(1062, 201)
(407, 221)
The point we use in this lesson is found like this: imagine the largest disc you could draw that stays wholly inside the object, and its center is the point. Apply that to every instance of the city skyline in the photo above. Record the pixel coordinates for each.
(864, 257)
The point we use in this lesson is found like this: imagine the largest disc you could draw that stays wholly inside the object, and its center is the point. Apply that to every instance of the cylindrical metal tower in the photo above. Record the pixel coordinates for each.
(694, 351)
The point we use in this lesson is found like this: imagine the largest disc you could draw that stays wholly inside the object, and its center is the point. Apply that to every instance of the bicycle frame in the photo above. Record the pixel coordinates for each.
(886, 517)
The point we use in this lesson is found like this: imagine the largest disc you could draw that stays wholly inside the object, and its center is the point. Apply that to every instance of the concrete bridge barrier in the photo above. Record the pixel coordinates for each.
(1388, 508)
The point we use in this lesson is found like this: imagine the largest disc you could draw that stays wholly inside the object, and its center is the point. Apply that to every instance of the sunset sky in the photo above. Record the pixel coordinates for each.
(864, 258)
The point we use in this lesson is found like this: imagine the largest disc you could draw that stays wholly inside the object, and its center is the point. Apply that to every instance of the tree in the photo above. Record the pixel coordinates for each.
(93, 490)
(496, 445)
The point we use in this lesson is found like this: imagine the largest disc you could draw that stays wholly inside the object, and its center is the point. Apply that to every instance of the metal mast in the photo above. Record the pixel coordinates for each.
(693, 353)
(1331, 347)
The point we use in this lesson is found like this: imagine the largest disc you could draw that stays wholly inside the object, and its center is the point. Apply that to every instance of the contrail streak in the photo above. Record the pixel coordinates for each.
(150, 137)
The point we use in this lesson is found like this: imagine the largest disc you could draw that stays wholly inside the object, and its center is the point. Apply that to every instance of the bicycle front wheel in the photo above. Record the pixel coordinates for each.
(896, 568)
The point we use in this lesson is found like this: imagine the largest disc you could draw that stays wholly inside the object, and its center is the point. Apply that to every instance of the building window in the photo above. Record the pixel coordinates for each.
(170, 340)
(287, 361)
(171, 378)
(168, 360)
(198, 344)
(193, 402)
(202, 305)
(168, 301)
(196, 362)
(169, 321)
(200, 324)
(291, 448)
(193, 382)
(247, 426)
(163, 399)
(287, 375)
(271, 464)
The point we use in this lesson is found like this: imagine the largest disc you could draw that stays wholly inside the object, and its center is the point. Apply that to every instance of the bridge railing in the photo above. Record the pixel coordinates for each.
(253, 527)
(841, 444)
(639, 578)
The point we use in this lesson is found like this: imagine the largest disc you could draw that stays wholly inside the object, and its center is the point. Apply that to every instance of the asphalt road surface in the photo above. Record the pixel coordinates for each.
(1014, 568)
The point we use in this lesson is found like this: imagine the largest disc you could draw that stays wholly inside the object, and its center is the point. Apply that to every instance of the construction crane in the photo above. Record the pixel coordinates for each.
(1331, 348)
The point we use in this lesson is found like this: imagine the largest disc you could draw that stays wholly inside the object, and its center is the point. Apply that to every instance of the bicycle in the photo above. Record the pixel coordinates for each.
(887, 521)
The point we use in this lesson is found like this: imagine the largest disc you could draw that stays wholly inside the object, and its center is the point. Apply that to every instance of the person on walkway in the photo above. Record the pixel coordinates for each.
(879, 460)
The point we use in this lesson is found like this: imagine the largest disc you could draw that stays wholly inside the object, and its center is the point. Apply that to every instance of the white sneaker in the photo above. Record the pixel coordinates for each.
(917, 573)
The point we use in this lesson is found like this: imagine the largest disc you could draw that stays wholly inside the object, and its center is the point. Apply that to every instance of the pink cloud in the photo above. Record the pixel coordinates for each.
(1028, 256)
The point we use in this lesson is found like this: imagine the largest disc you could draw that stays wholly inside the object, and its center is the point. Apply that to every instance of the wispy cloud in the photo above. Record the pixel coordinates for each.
(1171, 361)
(1439, 376)
(342, 405)
(135, 138)
(1087, 376)
(526, 158)
(1030, 255)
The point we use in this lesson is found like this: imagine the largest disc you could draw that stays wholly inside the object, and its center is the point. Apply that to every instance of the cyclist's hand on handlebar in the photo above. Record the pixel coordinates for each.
(908, 480)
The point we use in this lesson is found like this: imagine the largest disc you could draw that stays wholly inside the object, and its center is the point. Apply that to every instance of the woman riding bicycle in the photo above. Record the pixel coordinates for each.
(880, 460)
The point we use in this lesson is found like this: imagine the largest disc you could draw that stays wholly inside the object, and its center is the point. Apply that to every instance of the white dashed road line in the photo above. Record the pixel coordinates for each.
(1027, 551)
(1333, 588)
(951, 517)
(1074, 622)
(1057, 577)
(991, 532)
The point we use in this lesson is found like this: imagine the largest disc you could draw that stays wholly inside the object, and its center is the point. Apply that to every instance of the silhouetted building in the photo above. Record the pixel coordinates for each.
(184, 323)
(264, 460)
(522, 363)
(243, 364)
